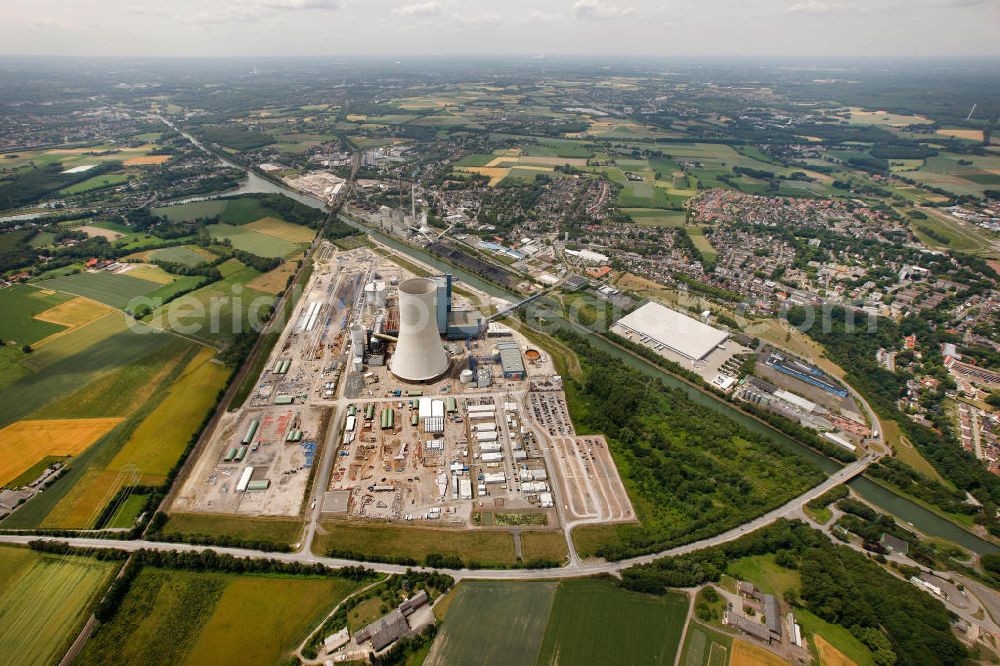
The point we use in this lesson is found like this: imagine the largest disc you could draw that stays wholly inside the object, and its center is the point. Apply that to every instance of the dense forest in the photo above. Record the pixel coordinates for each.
(839, 585)
(690, 472)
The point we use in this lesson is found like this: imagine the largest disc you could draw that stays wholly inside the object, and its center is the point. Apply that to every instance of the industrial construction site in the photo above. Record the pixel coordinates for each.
(431, 411)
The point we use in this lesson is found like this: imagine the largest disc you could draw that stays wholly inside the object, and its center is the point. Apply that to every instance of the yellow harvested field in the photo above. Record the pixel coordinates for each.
(495, 174)
(970, 134)
(528, 161)
(25, 443)
(150, 272)
(829, 655)
(147, 160)
(745, 654)
(97, 232)
(273, 281)
(74, 312)
(272, 226)
(161, 438)
(88, 497)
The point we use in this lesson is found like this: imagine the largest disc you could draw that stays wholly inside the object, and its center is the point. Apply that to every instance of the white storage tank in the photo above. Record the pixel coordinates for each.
(358, 364)
(465, 376)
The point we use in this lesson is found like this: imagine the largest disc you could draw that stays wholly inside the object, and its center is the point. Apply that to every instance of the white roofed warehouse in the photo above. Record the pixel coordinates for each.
(658, 325)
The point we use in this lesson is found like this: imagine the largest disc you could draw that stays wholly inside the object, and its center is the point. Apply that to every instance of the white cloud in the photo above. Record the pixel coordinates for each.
(541, 17)
(429, 8)
(818, 7)
(598, 10)
(298, 5)
(474, 21)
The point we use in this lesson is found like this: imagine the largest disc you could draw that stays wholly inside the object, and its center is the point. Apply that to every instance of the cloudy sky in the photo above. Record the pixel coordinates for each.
(497, 27)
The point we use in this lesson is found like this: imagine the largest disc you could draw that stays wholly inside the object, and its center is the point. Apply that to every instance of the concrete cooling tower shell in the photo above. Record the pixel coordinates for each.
(419, 355)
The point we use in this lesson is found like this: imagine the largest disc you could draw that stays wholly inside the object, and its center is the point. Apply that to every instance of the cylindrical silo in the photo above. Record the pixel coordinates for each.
(358, 335)
(419, 355)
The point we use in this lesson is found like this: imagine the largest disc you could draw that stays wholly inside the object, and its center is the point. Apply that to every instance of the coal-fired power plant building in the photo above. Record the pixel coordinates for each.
(419, 355)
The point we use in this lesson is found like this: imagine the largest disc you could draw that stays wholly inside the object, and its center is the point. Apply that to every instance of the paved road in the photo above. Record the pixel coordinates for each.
(574, 569)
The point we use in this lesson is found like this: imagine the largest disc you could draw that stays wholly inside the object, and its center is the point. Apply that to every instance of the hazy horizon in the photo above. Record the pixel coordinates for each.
(450, 28)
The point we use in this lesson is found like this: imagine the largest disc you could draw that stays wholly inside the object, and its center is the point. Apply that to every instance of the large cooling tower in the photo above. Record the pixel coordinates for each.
(419, 355)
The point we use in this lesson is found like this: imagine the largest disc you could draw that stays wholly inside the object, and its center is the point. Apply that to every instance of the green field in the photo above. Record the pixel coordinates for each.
(765, 574)
(128, 387)
(196, 210)
(597, 622)
(95, 183)
(44, 601)
(19, 303)
(702, 243)
(42, 239)
(193, 312)
(654, 217)
(705, 647)
(250, 241)
(80, 359)
(277, 530)
(494, 623)
(109, 288)
(837, 636)
(186, 617)
(182, 254)
(383, 541)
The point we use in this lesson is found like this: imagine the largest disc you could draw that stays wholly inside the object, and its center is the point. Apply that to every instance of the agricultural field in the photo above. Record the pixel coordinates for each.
(113, 289)
(272, 226)
(274, 281)
(653, 217)
(21, 304)
(196, 210)
(158, 442)
(44, 601)
(494, 623)
(248, 240)
(72, 314)
(25, 443)
(705, 647)
(118, 378)
(188, 255)
(597, 622)
(571, 622)
(146, 451)
(186, 617)
(378, 540)
(959, 174)
(194, 311)
(746, 654)
(73, 157)
(96, 183)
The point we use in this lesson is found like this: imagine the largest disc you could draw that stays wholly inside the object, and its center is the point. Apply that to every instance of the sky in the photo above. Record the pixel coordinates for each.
(807, 28)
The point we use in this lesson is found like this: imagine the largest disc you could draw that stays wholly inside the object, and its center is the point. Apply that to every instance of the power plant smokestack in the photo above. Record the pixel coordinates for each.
(419, 355)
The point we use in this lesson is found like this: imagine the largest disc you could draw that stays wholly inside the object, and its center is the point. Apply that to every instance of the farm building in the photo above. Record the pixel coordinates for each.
(659, 325)
(384, 631)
